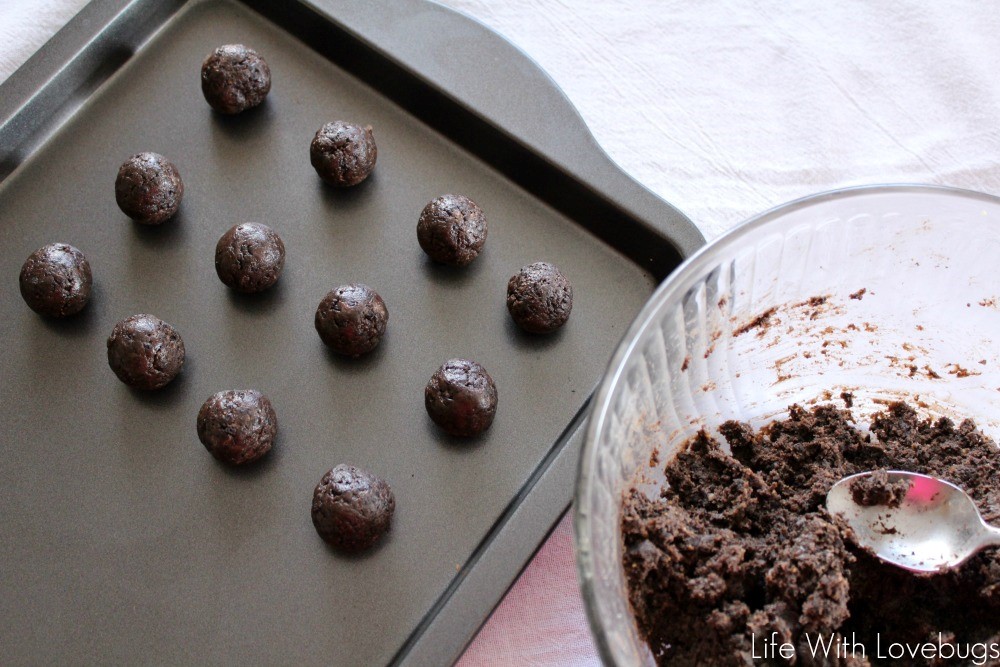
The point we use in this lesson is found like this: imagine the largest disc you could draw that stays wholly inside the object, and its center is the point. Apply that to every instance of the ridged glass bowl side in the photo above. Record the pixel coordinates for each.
(886, 293)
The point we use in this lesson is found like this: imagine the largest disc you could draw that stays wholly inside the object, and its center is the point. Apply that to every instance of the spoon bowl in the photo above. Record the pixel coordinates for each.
(918, 522)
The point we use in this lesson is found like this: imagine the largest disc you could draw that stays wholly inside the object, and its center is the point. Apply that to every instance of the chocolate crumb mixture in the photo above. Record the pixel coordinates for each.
(740, 546)
(876, 489)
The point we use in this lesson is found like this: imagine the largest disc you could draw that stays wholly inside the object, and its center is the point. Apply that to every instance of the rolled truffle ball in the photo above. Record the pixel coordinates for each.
(452, 230)
(461, 398)
(352, 508)
(56, 280)
(343, 154)
(539, 298)
(149, 188)
(234, 78)
(351, 319)
(249, 257)
(145, 352)
(237, 426)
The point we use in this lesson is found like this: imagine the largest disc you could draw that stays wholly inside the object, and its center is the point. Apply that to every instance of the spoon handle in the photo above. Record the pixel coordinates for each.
(991, 536)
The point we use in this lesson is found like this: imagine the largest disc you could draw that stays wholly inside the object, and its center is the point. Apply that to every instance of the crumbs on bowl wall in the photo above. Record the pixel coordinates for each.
(827, 329)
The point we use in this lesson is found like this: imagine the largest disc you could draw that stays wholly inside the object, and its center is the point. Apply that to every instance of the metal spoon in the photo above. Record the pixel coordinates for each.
(936, 526)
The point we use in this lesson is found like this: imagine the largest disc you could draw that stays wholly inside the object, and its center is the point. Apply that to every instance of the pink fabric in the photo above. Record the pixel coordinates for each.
(541, 620)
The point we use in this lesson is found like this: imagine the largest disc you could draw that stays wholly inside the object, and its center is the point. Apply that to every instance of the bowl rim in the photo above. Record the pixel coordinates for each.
(601, 399)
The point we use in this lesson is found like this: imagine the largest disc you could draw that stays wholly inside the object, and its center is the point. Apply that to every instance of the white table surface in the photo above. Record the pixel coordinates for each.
(725, 109)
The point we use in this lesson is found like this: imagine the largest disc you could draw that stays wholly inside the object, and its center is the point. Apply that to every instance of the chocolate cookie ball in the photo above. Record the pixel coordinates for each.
(461, 398)
(234, 78)
(539, 298)
(56, 280)
(452, 230)
(149, 188)
(249, 257)
(343, 154)
(237, 426)
(145, 352)
(351, 319)
(352, 508)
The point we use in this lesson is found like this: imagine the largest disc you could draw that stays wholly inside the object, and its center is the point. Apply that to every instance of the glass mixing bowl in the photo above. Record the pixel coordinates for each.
(887, 292)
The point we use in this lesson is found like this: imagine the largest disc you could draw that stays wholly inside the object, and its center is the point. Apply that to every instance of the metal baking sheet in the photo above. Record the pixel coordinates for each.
(122, 540)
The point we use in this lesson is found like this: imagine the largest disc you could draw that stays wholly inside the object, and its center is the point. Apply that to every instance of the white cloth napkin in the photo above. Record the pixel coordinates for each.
(26, 24)
(727, 108)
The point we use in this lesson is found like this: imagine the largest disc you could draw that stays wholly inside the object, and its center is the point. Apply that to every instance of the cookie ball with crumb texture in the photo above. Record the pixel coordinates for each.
(149, 188)
(539, 298)
(145, 352)
(237, 426)
(461, 398)
(343, 154)
(351, 319)
(56, 280)
(249, 257)
(352, 508)
(235, 78)
(452, 230)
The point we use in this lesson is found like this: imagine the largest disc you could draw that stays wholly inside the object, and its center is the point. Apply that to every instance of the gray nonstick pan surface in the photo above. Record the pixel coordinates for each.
(122, 540)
